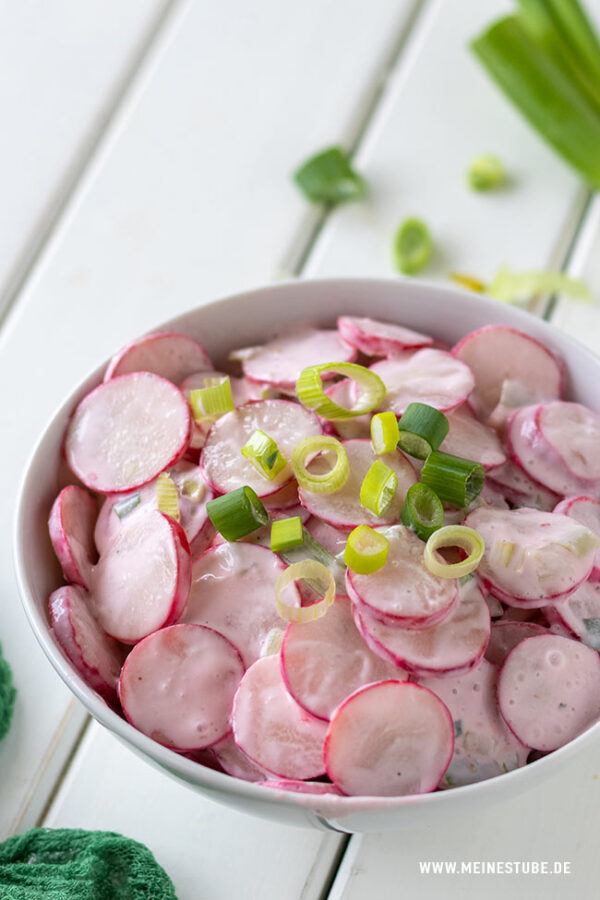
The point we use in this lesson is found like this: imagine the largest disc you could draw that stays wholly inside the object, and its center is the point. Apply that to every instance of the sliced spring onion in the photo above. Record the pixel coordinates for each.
(328, 177)
(515, 287)
(167, 496)
(470, 282)
(366, 550)
(127, 505)
(316, 574)
(467, 539)
(413, 247)
(485, 173)
(192, 489)
(263, 453)
(384, 432)
(320, 483)
(422, 511)
(422, 429)
(273, 641)
(310, 548)
(378, 488)
(455, 480)
(214, 399)
(286, 533)
(237, 513)
(309, 389)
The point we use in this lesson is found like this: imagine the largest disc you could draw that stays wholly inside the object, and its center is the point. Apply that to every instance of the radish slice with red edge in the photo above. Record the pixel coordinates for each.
(97, 657)
(549, 690)
(506, 635)
(427, 376)
(126, 431)
(469, 439)
(519, 489)
(177, 686)
(375, 338)
(333, 539)
(71, 527)
(168, 354)
(280, 361)
(142, 582)
(403, 593)
(585, 510)
(580, 614)
(483, 745)
(234, 761)
(389, 739)
(270, 727)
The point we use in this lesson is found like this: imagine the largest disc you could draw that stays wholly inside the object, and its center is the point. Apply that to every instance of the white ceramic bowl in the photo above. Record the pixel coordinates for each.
(240, 321)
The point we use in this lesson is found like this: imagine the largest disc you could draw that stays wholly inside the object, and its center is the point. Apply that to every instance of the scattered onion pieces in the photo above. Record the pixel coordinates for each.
(167, 496)
(320, 483)
(320, 578)
(309, 389)
(461, 536)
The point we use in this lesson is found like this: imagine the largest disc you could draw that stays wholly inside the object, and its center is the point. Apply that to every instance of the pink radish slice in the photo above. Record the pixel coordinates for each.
(426, 376)
(483, 746)
(374, 338)
(346, 429)
(343, 509)
(549, 690)
(506, 635)
(519, 489)
(322, 662)
(580, 614)
(494, 605)
(270, 727)
(333, 539)
(450, 648)
(302, 787)
(470, 439)
(234, 761)
(532, 556)
(71, 527)
(496, 353)
(233, 591)
(225, 467)
(142, 581)
(168, 354)
(573, 432)
(283, 499)
(585, 510)
(403, 593)
(280, 362)
(97, 657)
(389, 739)
(126, 431)
(177, 686)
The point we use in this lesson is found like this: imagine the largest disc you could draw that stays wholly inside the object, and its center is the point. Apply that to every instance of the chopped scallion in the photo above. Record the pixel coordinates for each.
(262, 451)
(519, 287)
(422, 429)
(311, 394)
(366, 550)
(316, 574)
(328, 177)
(422, 511)
(470, 282)
(167, 496)
(237, 513)
(320, 483)
(384, 432)
(286, 533)
(466, 539)
(485, 173)
(413, 247)
(214, 399)
(123, 507)
(455, 480)
(378, 488)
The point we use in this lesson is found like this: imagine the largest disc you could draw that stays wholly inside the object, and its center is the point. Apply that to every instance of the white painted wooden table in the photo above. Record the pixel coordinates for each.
(145, 169)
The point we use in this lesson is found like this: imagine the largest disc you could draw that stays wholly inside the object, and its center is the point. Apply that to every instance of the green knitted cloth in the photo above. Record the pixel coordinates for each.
(70, 864)
(7, 696)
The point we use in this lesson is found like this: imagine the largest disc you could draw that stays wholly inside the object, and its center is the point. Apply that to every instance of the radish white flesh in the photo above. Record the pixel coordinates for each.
(126, 431)
(497, 353)
(519, 489)
(233, 591)
(389, 739)
(470, 439)
(580, 613)
(403, 593)
(585, 510)
(71, 527)
(506, 635)
(374, 338)
(483, 746)
(324, 661)
(142, 581)
(234, 761)
(452, 647)
(549, 690)
(168, 354)
(97, 657)
(343, 508)
(280, 362)
(427, 376)
(225, 467)
(177, 686)
(270, 727)
(532, 556)
(302, 787)
(333, 539)
(342, 393)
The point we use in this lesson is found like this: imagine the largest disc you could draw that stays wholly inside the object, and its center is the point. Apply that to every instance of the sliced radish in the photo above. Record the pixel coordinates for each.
(302, 787)
(142, 582)
(234, 761)
(426, 376)
(549, 690)
(283, 499)
(519, 489)
(97, 657)
(225, 467)
(270, 727)
(343, 509)
(497, 353)
(531, 556)
(324, 661)
(342, 393)
(280, 362)
(177, 686)
(71, 526)
(452, 647)
(389, 739)
(483, 746)
(580, 614)
(585, 510)
(333, 539)
(403, 593)
(233, 591)
(126, 431)
(506, 635)
(470, 439)
(374, 338)
(168, 354)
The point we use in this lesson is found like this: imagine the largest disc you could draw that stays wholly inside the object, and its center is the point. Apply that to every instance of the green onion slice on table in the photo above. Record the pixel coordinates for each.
(413, 247)
(328, 177)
